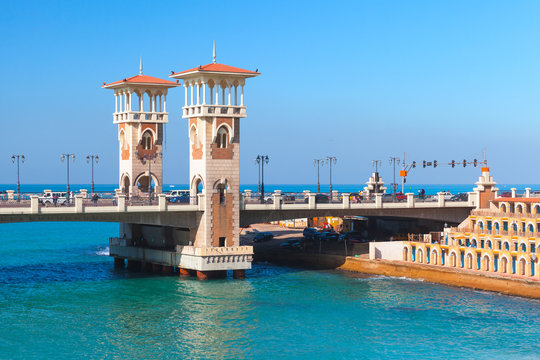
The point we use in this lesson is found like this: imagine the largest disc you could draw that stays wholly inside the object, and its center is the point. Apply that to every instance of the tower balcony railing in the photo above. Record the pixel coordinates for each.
(214, 110)
(142, 116)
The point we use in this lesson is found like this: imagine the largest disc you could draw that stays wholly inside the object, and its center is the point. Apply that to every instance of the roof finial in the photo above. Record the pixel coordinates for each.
(140, 67)
(214, 51)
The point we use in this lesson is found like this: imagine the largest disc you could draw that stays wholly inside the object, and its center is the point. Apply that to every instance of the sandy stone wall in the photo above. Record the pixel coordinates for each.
(454, 277)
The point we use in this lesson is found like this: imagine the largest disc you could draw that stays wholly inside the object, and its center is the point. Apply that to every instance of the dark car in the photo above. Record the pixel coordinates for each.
(459, 197)
(180, 199)
(309, 231)
(319, 199)
(352, 236)
(329, 236)
(263, 236)
(506, 194)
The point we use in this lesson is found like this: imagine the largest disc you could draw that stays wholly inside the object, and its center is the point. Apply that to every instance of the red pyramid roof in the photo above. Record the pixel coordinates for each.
(143, 79)
(215, 67)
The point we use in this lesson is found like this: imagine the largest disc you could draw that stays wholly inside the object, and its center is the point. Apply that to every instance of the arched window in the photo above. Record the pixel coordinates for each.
(222, 137)
(147, 140)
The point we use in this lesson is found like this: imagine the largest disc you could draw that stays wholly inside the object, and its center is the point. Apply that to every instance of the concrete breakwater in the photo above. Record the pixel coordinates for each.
(446, 276)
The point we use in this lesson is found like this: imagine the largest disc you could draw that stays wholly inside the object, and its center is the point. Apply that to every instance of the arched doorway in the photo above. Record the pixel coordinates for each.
(504, 265)
(126, 185)
(434, 259)
(522, 266)
(486, 263)
(420, 256)
(453, 259)
(469, 261)
(405, 254)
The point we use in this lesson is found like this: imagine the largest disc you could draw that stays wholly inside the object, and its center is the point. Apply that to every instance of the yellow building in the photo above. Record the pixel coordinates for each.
(501, 236)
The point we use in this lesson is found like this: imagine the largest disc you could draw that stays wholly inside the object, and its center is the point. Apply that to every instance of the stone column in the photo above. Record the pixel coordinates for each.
(121, 202)
(10, 195)
(441, 199)
(78, 203)
(513, 192)
(162, 202)
(346, 201)
(277, 200)
(311, 200)
(34, 204)
(378, 200)
(527, 192)
(410, 200)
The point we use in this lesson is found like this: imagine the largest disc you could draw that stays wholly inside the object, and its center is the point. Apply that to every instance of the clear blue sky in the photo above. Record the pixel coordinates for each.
(360, 80)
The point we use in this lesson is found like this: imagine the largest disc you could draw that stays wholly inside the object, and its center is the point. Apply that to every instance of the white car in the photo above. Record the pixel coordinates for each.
(47, 198)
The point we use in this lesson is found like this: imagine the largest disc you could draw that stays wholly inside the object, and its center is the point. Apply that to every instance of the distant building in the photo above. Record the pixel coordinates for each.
(501, 236)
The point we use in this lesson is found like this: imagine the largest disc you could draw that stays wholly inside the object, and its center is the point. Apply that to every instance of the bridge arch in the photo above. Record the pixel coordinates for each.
(141, 181)
(125, 183)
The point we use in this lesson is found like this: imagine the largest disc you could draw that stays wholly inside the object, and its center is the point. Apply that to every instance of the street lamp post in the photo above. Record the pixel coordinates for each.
(92, 158)
(21, 158)
(394, 161)
(66, 157)
(330, 160)
(318, 162)
(149, 159)
(261, 160)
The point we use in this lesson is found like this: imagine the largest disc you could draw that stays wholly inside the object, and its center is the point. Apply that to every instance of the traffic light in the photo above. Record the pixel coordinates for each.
(475, 162)
(434, 163)
(464, 163)
(453, 163)
(424, 163)
(414, 164)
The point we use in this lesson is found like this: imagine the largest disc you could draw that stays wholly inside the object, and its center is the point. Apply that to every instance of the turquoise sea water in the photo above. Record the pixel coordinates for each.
(61, 298)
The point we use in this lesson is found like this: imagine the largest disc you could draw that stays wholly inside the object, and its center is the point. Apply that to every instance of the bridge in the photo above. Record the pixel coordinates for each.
(163, 213)
(204, 235)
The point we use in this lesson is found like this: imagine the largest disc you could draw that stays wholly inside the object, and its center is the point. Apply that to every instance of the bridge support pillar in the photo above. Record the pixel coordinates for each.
(184, 272)
(134, 265)
(119, 262)
(239, 274)
(205, 275)
(146, 267)
(156, 268)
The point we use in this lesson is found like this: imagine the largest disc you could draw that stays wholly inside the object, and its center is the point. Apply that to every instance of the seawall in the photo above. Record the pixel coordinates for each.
(446, 276)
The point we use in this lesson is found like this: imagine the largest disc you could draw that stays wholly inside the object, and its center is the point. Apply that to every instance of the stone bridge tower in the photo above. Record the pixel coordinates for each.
(214, 105)
(140, 112)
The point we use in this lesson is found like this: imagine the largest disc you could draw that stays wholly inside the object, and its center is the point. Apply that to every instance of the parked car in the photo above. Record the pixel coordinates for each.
(178, 196)
(310, 233)
(319, 199)
(352, 236)
(506, 194)
(47, 198)
(447, 195)
(460, 197)
(263, 236)
(390, 197)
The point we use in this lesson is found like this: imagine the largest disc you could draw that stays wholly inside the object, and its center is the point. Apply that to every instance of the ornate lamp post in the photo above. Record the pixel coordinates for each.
(261, 160)
(394, 161)
(330, 160)
(21, 159)
(64, 157)
(92, 158)
(149, 158)
(318, 162)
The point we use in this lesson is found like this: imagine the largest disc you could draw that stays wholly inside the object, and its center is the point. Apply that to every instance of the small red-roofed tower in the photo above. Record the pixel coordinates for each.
(140, 112)
(214, 105)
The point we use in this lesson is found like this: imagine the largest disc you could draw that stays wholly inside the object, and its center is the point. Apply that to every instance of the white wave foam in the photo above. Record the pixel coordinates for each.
(104, 251)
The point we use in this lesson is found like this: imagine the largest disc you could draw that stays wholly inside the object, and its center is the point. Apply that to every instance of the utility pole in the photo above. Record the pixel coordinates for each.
(394, 161)
(261, 160)
(92, 158)
(330, 160)
(21, 158)
(66, 157)
(318, 162)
